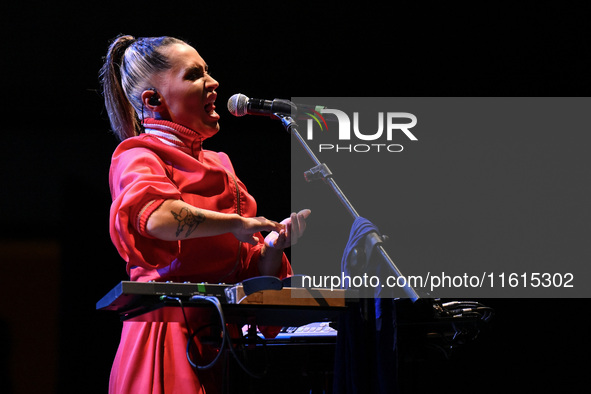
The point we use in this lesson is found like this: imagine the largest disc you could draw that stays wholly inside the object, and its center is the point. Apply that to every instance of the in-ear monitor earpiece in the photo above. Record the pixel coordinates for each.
(154, 99)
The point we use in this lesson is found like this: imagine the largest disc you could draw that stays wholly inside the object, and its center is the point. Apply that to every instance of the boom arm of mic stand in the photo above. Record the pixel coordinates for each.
(321, 171)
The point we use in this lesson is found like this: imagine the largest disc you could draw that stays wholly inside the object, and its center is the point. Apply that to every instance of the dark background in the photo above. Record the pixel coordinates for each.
(55, 249)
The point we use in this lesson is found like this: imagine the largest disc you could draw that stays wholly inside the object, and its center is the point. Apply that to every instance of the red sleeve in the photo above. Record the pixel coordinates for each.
(139, 184)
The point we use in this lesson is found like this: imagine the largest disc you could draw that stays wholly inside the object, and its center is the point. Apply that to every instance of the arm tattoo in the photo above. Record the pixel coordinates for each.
(188, 219)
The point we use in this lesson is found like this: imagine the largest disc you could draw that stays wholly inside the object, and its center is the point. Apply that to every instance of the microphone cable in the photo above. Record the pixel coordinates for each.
(226, 340)
(193, 333)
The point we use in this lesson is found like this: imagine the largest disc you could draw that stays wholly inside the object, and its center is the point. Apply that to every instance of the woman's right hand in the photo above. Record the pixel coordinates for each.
(246, 228)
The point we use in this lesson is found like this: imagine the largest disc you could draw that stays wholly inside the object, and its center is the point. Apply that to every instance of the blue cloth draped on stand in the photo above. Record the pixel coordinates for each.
(365, 356)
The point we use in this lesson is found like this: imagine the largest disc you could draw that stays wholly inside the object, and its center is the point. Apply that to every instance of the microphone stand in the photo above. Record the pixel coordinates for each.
(321, 171)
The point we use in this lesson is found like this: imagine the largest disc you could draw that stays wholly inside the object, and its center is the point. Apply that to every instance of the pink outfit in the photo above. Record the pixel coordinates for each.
(168, 162)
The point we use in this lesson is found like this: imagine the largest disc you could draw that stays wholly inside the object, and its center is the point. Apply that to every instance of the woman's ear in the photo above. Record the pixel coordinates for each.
(152, 100)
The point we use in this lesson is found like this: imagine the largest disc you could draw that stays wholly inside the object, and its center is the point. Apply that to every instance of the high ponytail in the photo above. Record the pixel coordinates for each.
(129, 66)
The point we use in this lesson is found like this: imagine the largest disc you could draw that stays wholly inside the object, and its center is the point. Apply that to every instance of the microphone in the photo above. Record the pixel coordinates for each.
(240, 105)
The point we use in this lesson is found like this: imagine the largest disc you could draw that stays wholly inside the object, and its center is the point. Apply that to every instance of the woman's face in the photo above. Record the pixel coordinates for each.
(187, 91)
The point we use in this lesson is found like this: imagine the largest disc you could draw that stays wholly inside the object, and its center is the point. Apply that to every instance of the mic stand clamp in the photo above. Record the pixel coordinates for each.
(287, 121)
(320, 171)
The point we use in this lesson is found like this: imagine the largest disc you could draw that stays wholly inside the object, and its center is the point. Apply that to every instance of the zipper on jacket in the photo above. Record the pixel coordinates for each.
(238, 211)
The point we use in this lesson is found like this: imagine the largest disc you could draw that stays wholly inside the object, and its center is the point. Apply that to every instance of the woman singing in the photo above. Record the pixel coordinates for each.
(179, 211)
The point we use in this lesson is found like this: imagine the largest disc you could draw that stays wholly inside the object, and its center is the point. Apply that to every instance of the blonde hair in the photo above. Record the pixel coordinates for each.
(126, 73)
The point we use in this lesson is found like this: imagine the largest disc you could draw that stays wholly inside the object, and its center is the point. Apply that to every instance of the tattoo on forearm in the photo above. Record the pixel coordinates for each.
(187, 219)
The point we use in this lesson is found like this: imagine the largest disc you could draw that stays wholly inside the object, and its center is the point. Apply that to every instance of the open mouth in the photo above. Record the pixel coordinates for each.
(210, 110)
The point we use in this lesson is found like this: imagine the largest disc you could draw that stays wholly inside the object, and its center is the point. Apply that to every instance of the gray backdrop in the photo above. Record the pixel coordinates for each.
(493, 188)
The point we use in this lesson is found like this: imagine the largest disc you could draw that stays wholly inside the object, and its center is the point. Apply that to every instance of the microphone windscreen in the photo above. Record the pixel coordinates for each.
(237, 104)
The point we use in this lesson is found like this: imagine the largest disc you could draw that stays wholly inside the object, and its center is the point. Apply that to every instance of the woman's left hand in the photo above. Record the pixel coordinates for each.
(294, 229)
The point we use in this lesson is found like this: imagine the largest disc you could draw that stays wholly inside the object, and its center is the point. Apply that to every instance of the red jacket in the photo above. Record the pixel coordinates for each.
(168, 162)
